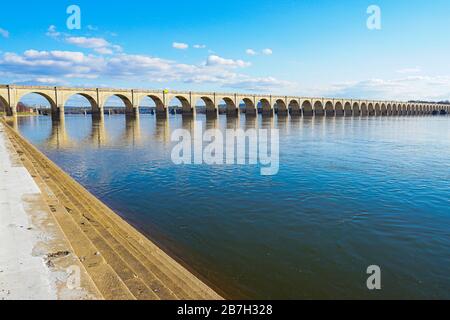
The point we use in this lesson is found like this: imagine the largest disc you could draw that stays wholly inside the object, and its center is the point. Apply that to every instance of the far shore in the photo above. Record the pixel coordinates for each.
(21, 114)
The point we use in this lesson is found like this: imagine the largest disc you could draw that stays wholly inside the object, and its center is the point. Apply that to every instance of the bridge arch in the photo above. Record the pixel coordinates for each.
(356, 109)
(329, 109)
(422, 109)
(177, 101)
(348, 109)
(228, 105)
(129, 109)
(249, 106)
(388, 109)
(281, 107)
(210, 106)
(89, 98)
(404, 109)
(383, 109)
(157, 101)
(371, 109)
(363, 110)
(318, 108)
(408, 109)
(54, 108)
(307, 108)
(377, 109)
(266, 107)
(339, 109)
(294, 108)
(394, 109)
(4, 106)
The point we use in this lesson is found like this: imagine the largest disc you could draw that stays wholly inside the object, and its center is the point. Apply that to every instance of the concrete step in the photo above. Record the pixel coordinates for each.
(103, 249)
(162, 266)
(107, 281)
(146, 271)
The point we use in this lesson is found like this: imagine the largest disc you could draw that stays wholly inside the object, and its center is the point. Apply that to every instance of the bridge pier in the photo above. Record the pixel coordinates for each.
(282, 112)
(251, 112)
(132, 112)
(58, 112)
(308, 113)
(189, 112)
(268, 113)
(212, 113)
(162, 113)
(11, 111)
(98, 113)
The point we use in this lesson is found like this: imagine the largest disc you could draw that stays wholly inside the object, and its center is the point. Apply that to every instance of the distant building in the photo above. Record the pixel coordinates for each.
(23, 108)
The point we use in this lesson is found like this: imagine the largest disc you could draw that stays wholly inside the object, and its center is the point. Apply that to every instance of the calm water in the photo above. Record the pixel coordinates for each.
(350, 193)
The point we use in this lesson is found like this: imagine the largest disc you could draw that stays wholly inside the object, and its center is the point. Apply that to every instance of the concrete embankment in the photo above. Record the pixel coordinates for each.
(66, 244)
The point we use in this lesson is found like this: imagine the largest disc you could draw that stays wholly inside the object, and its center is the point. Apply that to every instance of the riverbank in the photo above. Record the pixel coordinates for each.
(113, 259)
(22, 114)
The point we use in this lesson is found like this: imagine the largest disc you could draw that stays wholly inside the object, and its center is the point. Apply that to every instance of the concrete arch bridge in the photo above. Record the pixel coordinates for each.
(234, 103)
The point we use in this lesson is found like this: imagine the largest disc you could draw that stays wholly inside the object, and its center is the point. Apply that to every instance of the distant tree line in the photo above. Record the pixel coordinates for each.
(423, 101)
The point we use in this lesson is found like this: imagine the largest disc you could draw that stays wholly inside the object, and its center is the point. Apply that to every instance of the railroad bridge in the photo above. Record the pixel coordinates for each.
(251, 104)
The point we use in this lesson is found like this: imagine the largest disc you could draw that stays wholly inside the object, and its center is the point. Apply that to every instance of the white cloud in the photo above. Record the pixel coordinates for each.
(250, 52)
(410, 70)
(108, 61)
(103, 50)
(199, 46)
(407, 88)
(40, 80)
(267, 52)
(61, 66)
(266, 84)
(4, 33)
(99, 45)
(88, 42)
(180, 46)
(52, 32)
(51, 64)
(46, 80)
(214, 60)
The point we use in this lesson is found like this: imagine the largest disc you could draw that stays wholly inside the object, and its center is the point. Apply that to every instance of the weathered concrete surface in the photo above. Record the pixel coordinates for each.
(116, 262)
(34, 254)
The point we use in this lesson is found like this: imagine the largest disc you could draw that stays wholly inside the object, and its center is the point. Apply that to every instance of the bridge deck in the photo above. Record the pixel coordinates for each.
(122, 263)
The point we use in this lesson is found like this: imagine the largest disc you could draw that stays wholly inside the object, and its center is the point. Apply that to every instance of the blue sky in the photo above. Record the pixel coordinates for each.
(308, 48)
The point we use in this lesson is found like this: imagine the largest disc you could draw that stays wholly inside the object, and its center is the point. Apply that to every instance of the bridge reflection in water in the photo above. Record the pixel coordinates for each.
(127, 129)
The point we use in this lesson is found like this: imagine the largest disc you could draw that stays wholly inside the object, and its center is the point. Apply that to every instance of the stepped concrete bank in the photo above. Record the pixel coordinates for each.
(60, 242)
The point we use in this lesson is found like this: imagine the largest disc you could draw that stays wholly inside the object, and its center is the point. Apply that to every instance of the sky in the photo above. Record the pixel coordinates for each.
(303, 47)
